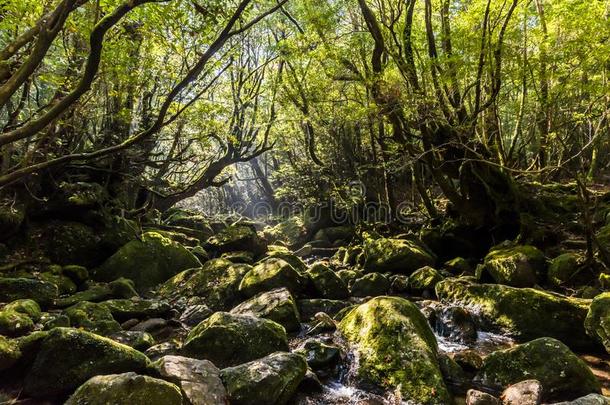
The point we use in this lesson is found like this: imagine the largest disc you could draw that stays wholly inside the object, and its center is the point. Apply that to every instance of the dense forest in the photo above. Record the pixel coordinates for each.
(309, 202)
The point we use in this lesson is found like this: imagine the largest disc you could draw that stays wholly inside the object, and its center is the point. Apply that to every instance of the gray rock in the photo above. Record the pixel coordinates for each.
(199, 379)
(527, 392)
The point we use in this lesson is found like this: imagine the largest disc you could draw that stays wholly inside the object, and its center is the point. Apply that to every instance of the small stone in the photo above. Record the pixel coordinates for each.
(527, 392)
(474, 397)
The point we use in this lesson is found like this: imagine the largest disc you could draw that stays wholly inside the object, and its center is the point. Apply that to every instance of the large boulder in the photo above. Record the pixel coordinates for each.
(277, 305)
(12, 289)
(563, 375)
(271, 380)
(396, 255)
(217, 282)
(518, 311)
(396, 349)
(290, 232)
(199, 379)
(326, 283)
(126, 389)
(288, 256)
(237, 237)
(69, 357)
(272, 273)
(14, 323)
(148, 262)
(517, 266)
(597, 322)
(230, 339)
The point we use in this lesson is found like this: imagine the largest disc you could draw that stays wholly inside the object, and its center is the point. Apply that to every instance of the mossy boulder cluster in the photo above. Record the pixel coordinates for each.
(396, 255)
(148, 262)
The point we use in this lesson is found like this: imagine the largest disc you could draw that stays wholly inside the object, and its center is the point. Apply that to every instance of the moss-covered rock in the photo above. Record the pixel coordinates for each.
(13, 289)
(237, 237)
(64, 284)
(424, 279)
(148, 262)
(396, 349)
(229, 339)
(603, 238)
(27, 307)
(13, 323)
(597, 323)
(125, 309)
(240, 256)
(518, 266)
(518, 311)
(591, 399)
(289, 257)
(126, 389)
(563, 374)
(95, 293)
(458, 266)
(349, 276)
(69, 357)
(271, 380)
(326, 283)
(291, 231)
(270, 274)
(277, 305)
(396, 255)
(309, 307)
(334, 233)
(217, 282)
(370, 285)
(123, 288)
(9, 353)
(93, 317)
(562, 269)
(78, 274)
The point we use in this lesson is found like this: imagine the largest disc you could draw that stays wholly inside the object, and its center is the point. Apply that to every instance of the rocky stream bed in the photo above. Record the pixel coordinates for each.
(243, 319)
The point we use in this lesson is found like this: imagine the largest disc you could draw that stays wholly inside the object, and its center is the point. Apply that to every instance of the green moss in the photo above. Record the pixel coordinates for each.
(564, 376)
(78, 274)
(424, 279)
(562, 269)
(95, 293)
(13, 323)
(68, 243)
(134, 338)
(64, 284)
(291, 231)
(518, 266)
(240, 256)
(128, 388)
(237, 237)
(597, 323)
(271, 380)
(27, 307)
(123, 288)
(519, 311)
(396, 255)
(69, 357)
(148, 262)
(291, 258)
(277, 305)
(458, 266)
(309, 307)
(9, 353)
(13, 289)
(396, 349)
(326, 283)
(216, 282)
(125, 309)
(93, 317)
(270, 274)
(229, 339)
(371, 284)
